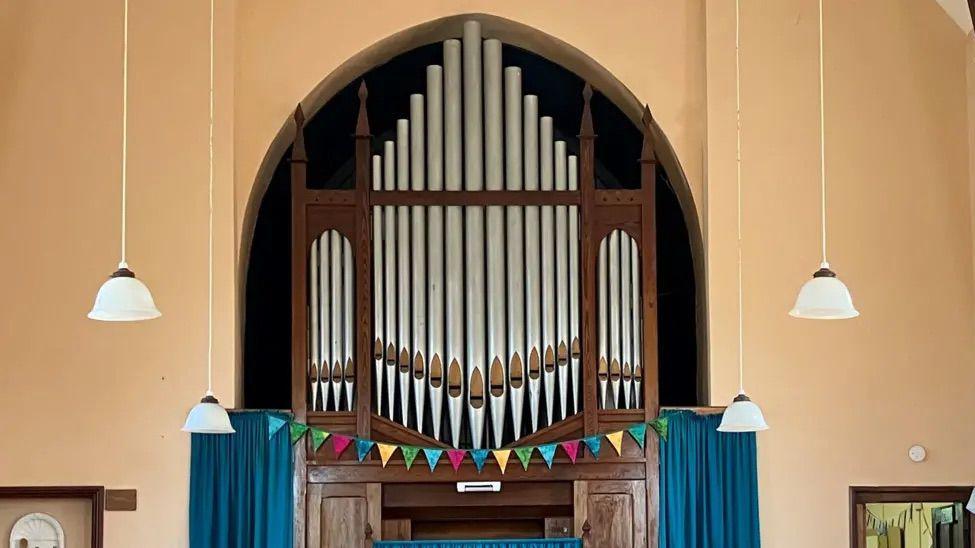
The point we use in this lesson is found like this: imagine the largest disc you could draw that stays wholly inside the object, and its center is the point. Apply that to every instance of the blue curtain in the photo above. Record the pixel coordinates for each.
(708, 485)
(240, 486)
(514, 543)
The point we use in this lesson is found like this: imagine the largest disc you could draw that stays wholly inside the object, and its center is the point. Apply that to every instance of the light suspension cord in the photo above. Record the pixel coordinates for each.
(125, 118)
(741, 326)
(210, 226)
(822, 136)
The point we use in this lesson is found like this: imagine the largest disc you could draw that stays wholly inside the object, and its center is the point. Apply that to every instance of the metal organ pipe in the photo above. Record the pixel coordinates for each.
(533, 255)
(474, 232)
(625, 318)
(562, 279)
(324, 316)
(314, 371)
(389, 267)
(348, 339)
(515, 247)
(435, 281)
(403, 267)
(575, 351)
(602, 369)
(614, 316)
(378, 319)
(338, 334)
(635, 316)
(453, 175)
(494, 180)
(548, 265)
(419, 259)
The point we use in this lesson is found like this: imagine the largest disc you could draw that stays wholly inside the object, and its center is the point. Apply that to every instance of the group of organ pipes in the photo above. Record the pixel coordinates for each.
(476, 316)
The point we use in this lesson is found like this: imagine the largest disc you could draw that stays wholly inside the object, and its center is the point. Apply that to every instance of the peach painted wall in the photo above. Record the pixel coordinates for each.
(845, 400)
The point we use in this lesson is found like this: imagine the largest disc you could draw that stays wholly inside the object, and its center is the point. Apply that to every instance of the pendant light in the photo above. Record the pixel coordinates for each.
(208, 416)
(124, 298)
(742, 415)
(824, 297)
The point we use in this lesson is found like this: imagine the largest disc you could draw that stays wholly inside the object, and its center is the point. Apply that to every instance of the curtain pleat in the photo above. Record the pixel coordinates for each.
(240, 486)
(708, 485)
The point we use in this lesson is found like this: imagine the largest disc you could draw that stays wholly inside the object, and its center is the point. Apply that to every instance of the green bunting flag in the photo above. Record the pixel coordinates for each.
(297, 430)
(524, 455)
(318, 437)
(639, 433)
(660, 426)
(409, 454)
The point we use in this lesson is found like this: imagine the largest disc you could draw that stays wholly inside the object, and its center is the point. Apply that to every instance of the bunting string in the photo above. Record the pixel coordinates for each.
(573, 449)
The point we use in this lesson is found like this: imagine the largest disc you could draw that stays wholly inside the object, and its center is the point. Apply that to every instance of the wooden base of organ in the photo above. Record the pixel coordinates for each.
(344, 503)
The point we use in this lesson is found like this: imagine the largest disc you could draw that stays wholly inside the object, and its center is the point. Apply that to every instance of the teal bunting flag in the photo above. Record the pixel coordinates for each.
(274, 425)
(593, 443)
(297, 430)
(548, 453)
(479, 456)
(639, 433)
(362, 448)
(433, 456)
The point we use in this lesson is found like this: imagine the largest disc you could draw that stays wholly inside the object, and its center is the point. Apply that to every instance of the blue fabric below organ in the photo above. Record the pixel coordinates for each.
(512, 543)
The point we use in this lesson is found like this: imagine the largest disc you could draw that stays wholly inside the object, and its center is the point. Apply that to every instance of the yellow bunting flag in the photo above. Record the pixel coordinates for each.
(501, 455)
(616, 440)
(385, 452)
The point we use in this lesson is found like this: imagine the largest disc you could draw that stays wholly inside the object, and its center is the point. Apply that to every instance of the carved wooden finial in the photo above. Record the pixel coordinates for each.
(298, 151)
(362, 121)
(585, 129)
(647, 153)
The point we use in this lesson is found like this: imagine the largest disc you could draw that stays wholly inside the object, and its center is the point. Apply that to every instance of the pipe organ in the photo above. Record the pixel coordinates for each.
(502, 296)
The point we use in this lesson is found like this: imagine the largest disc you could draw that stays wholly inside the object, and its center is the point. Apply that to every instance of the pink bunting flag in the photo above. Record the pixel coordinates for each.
(456, 456)
(571, 449)
(339, 443)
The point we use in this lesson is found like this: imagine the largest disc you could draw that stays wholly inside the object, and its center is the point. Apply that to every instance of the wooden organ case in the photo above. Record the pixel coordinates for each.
(474, 289)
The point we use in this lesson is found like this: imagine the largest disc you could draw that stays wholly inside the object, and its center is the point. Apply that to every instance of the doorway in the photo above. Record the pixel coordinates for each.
(911, 517)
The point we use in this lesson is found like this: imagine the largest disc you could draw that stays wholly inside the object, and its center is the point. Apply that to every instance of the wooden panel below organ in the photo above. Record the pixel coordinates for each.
(611, 513)
(343, 515)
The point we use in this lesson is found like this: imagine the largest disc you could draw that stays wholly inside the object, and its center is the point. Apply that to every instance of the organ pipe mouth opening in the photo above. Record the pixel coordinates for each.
(436, 372)
(614, 370)
(603, 372)
(534, 368)
(563, 354)
(549, 359)
(476, 395)
(349, 371)
(576, 351)
(497, 378)
(418, 366)
(391, 354)
(454, 388)
(517, 372)
(404, 361)
(377, 352)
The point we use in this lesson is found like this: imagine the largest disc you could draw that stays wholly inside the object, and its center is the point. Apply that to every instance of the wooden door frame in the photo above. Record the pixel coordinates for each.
(860, 496)
(95, 494)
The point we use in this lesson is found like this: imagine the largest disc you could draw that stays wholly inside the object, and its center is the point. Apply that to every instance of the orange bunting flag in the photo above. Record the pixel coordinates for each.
(501, 455)
(616, 440)
(385, 452)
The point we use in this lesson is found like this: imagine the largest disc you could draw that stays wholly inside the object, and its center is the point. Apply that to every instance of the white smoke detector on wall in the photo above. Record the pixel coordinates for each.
(917, 453)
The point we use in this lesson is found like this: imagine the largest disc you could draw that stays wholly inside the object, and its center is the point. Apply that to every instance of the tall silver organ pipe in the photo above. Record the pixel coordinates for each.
(626, 332)
(338, 333)
(635, 315)
(419, 259)
(494, 180)
(562, 279)
(389, 267)
(314, 371)
(348, 339)
(324, 316)
(474, 232)
(453, 177)
(614, 316)
(602, 368)
(403, 267)
(378, 319)
(548, 264)
(515, 247)
(435, 281)
(533, 271)
(575, 350)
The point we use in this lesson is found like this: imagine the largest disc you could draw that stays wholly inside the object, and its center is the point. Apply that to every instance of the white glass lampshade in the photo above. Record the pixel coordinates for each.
(742, 416)
(824, 297)
(124, 298)
(208, 417)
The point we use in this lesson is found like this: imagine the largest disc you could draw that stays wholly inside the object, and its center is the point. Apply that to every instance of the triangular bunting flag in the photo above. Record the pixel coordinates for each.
(501, 455)
(409, 454)
(274, 425)
(639, 433)
(362, 448)
(616, 440)
(318, 437)
(660, 425)
(297, 430)
(456, 456)
(479, 456)
(339, 443)
(385, 451)
(547, 452)
(433, 456)
(524, 455)
(593, 443)
(571, 449)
